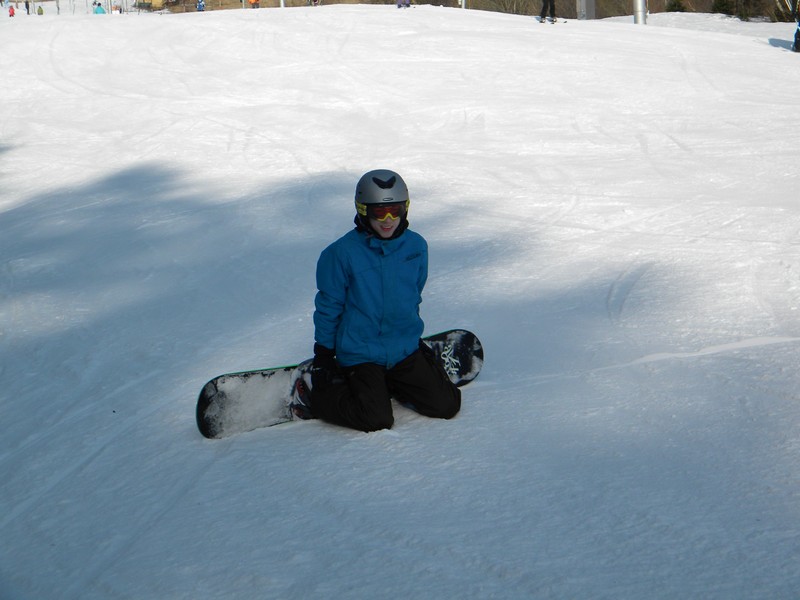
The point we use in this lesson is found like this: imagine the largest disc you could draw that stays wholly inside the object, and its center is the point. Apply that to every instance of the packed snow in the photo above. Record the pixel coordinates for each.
(611, 207)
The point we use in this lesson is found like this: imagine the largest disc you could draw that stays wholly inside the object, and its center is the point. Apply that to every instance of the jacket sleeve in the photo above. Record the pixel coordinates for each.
(332, 283)
(423, 270)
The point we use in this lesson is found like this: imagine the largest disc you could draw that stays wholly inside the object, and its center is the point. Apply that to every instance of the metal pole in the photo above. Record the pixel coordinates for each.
(585, 9)
(640, 12)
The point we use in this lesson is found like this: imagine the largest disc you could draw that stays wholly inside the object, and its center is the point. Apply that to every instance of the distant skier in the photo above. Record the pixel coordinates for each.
(367, 346)
(403, 3)
(796, 45)
(551, 4)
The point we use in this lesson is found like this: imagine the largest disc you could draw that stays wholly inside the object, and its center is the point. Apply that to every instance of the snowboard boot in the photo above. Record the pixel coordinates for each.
(300, 404)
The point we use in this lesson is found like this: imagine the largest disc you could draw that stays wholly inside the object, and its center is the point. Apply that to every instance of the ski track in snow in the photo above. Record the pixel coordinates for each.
(620, 290)
(657, 357)
(732, 347)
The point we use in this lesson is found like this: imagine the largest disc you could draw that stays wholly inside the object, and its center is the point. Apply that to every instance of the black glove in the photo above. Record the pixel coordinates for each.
(324, 368)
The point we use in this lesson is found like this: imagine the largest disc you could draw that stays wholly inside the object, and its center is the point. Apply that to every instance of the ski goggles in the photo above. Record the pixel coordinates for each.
(381, 212)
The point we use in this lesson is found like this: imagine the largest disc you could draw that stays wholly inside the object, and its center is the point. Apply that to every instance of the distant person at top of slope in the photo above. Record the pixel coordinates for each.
(367, 325)
(551, 4)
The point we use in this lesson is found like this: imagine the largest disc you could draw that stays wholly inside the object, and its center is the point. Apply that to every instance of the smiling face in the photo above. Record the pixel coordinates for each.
(385, 218)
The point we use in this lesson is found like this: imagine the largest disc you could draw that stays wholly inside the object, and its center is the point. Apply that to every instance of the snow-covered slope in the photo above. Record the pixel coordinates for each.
(612, 208)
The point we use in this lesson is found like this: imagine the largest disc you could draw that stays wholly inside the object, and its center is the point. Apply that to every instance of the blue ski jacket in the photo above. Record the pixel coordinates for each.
(369, 292)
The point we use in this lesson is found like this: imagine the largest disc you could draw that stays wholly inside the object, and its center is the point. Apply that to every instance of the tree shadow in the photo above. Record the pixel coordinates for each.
(135, 282)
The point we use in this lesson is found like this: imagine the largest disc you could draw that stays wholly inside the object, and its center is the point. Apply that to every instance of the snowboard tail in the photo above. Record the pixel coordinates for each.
(238, 402)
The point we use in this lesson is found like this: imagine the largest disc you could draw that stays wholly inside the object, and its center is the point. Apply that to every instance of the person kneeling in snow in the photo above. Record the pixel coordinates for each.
(367, 334)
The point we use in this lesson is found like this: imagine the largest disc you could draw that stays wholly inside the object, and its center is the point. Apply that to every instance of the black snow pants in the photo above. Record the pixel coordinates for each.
(362, 400)
(552, 5)
(796, 46)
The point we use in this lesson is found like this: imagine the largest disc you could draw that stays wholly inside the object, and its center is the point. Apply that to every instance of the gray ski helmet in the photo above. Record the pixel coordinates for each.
(380, 186)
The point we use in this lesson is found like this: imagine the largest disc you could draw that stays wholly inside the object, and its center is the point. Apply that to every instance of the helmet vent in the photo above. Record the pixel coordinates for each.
(385, 185)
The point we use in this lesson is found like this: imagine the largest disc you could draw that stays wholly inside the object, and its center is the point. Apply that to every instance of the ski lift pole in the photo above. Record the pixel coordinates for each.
(585, 9)
(640, 12)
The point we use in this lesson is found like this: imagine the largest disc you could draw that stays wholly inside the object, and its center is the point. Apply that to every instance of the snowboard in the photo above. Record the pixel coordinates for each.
(238, 402)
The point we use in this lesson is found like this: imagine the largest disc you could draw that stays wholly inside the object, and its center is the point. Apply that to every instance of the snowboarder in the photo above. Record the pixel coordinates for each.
(367, 346)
